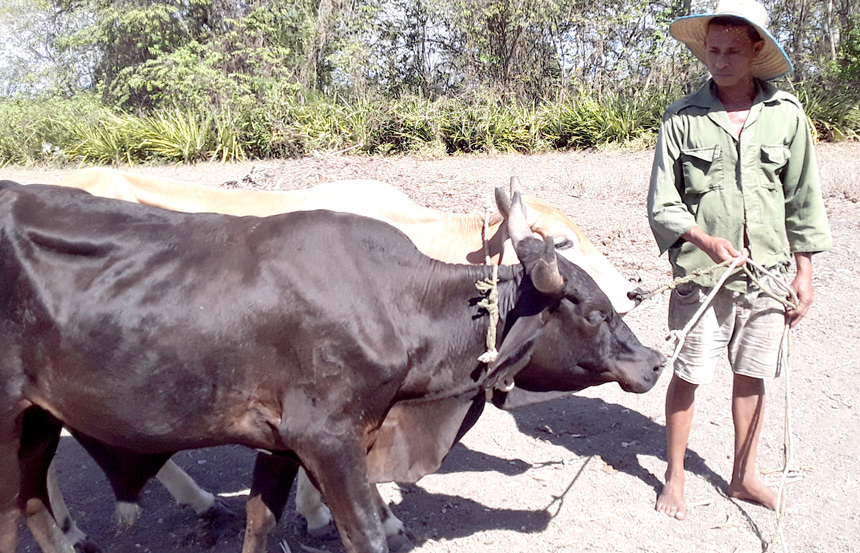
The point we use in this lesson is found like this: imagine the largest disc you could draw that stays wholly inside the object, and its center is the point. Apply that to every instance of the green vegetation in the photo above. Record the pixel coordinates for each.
(70, 130)
(188, 80)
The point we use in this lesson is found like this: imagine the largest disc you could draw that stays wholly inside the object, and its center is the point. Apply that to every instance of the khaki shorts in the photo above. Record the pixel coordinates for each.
(749, 325)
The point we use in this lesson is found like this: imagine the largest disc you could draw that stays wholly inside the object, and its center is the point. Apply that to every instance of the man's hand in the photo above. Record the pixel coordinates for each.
(802, 286)
(718, 249)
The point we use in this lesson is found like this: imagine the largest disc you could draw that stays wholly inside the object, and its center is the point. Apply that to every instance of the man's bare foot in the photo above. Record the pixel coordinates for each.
(671, 499)
(753, 490)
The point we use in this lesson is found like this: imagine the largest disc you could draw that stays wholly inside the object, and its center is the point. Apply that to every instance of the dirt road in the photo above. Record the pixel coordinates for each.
(580, 473)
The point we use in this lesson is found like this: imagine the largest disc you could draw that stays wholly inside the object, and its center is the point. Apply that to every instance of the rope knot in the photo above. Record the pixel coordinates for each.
(490, 287)
(491, 305)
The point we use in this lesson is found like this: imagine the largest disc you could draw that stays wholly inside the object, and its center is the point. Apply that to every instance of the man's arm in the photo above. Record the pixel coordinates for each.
(802, 286)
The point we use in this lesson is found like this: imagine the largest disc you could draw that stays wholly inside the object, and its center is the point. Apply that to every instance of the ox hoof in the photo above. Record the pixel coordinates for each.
(401, 542)
(327, 532)
(87, 546)
(127, 512)
(218, 511)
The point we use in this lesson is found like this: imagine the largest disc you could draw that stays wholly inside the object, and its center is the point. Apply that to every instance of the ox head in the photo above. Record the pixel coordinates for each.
(577, 338)
(571, 243)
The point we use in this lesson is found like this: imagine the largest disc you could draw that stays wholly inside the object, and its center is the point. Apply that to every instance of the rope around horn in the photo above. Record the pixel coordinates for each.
(783, 363)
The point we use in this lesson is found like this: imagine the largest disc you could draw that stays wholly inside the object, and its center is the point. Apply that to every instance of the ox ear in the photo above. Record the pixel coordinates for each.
(416, 435)
(516, 350)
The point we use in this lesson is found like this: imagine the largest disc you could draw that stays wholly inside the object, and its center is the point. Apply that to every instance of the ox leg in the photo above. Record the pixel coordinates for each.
(399, 538)
(127, 471)
(270, 488)
(9, 480)
(309, 504)
(74, 535)
(39, 438)
(185, 490)
(341, 474)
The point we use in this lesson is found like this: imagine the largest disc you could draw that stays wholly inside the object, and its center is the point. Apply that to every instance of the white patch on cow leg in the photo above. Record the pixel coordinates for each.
(399, 538)
(184, 489)
(310, 505)
(127, 513)
(73, 534)
(45, 530)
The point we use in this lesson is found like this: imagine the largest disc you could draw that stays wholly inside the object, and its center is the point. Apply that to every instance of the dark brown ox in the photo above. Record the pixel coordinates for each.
(325, 338)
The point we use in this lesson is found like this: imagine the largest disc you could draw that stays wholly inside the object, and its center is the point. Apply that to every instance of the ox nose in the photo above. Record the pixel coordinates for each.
(636, 295)
(658, 363)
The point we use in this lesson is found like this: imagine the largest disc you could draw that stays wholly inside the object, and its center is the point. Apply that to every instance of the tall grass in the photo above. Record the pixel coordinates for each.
(834, 114)
(82, 130)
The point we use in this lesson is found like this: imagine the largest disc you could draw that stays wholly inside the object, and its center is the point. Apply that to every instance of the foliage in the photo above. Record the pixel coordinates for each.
(847, 66)
(37, 129)
(833, 113)
(185, 80)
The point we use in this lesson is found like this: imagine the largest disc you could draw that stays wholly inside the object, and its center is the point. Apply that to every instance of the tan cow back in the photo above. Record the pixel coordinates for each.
(450, 237)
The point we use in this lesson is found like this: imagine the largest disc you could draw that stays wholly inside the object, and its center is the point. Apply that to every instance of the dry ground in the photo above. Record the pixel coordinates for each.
(580, 473)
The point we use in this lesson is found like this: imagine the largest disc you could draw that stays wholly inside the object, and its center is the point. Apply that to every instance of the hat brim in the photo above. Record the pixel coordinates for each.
(770, 63)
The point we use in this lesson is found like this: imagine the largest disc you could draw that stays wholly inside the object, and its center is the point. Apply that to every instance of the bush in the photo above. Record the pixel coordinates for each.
(37, 129)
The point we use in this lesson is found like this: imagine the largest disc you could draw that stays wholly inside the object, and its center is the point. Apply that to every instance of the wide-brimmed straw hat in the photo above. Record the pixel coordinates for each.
(771, 61)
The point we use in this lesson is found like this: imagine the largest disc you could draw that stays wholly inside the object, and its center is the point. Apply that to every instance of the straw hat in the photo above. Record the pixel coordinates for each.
(771, 61)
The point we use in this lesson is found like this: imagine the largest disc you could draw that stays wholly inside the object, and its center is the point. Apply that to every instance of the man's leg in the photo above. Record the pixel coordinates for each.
(748, 416)
(680, 405)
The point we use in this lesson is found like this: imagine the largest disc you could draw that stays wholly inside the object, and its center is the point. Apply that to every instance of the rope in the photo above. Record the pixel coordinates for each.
(783, 363)
(681, 336)
(682, 280)
(491, 304)
(787, 452)
(490, 287)
(699, 272)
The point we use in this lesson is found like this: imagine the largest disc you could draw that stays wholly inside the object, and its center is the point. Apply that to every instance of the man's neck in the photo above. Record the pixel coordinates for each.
(739, 97)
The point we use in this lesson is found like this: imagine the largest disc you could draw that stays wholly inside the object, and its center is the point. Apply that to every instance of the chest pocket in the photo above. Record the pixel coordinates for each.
(703, 169)
(773, 160)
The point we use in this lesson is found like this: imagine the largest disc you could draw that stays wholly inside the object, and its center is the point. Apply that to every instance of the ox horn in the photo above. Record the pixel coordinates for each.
(545, 274)
(503, 197)
(503, 201)
(517, 223)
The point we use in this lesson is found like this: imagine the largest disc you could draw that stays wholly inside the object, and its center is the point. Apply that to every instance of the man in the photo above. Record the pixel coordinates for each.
(734, 176)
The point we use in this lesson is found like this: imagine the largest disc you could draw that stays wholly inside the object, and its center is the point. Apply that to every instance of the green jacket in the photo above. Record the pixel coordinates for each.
(756, 191)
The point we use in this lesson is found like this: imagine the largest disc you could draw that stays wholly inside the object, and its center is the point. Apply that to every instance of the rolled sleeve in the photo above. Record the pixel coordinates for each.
(806, 222)
(668, 216)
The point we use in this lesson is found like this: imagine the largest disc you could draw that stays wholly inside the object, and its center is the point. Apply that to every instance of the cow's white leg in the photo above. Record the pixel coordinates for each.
(184, 489)
(74, 535)
(399, 538)
(309, 504)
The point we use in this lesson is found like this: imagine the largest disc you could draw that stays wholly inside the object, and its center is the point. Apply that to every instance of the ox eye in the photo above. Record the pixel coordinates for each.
(564, 243)
(595, 317)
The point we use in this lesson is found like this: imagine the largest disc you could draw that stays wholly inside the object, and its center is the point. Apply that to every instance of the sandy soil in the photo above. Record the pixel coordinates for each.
(580, 473)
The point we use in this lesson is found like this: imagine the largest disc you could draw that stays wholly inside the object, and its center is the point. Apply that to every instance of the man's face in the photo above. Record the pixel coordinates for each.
(729, 53)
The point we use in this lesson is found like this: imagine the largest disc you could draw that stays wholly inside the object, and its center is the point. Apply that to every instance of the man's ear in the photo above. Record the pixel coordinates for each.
(757, 47)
